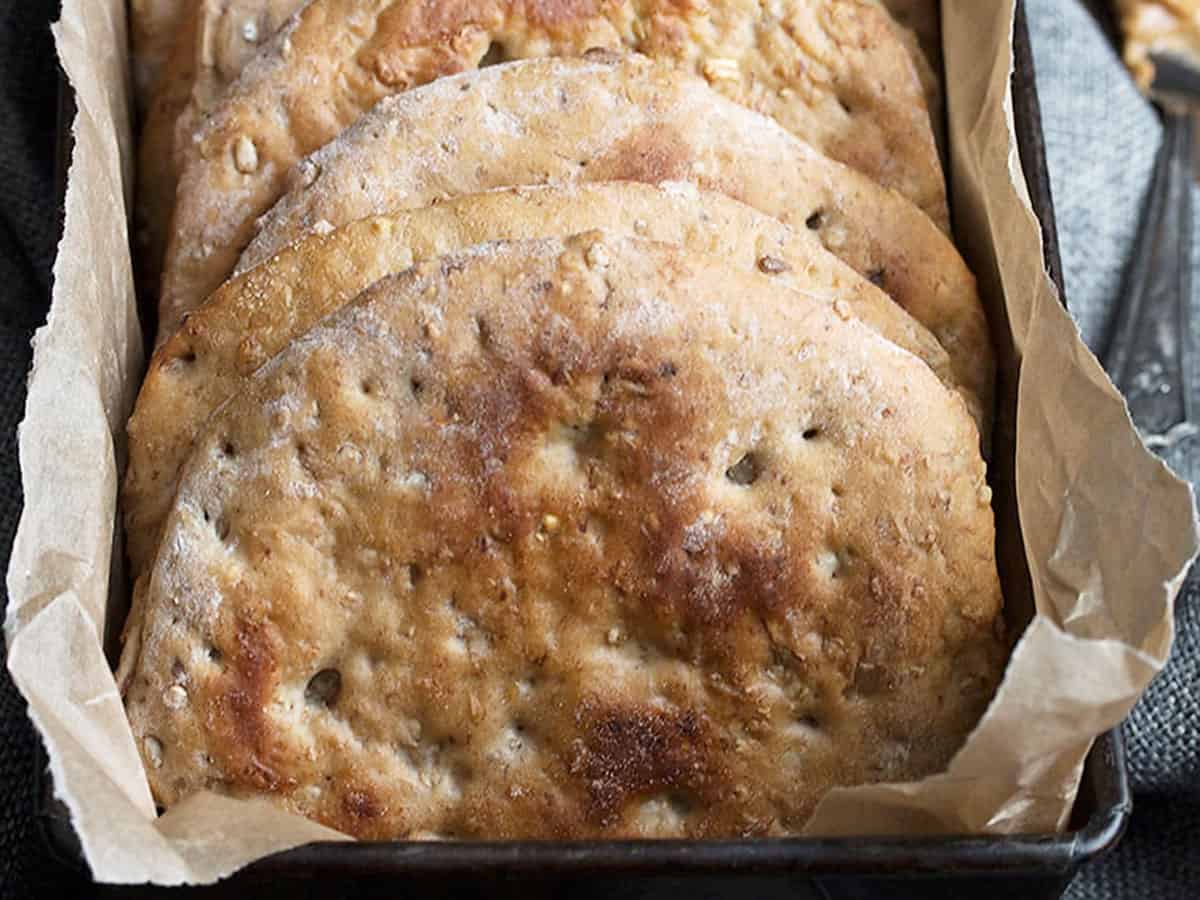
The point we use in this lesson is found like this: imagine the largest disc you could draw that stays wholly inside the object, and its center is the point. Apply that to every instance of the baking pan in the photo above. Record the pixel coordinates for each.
(1025, 866)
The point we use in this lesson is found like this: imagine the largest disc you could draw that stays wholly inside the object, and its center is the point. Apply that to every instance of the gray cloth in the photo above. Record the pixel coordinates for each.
(1101, 138)
(1101, 142)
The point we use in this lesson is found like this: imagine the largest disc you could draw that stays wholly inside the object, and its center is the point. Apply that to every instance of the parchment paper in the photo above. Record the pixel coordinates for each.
(1107, 530)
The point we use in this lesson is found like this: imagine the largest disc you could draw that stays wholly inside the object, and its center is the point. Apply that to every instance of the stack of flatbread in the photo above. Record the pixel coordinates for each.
(566, 417)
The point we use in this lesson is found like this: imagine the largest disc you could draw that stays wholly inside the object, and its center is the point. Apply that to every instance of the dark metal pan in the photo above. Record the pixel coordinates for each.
(1025, 866)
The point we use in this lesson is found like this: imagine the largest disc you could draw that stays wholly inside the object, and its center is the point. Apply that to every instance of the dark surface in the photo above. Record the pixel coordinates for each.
(28, 233)
(1160, 858)
(1035, 868)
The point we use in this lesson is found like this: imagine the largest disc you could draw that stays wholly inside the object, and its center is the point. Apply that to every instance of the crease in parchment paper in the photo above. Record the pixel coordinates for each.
(1108, 532)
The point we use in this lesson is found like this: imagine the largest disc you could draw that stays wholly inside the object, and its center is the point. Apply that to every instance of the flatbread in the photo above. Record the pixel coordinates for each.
(919, 28)
(627, 118)
(571, 539)
(214, 41)
(157, 176)
(832, 72)
(153, 26)
(254, 316)
(921, 18)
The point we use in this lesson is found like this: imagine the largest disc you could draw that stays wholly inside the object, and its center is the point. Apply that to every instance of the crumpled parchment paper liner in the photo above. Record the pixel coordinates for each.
(1108, 532)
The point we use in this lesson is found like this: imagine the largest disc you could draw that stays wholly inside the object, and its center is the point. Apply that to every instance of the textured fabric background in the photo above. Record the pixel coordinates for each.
(1101, 141)
(1101, 138)
(28, 233)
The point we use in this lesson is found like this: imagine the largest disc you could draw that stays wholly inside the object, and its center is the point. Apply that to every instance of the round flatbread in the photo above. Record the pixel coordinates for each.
(921, 19)
(578, 538)
(834, 73)
(254, 316)
(918, 26)
(627, 118)
(214, 40)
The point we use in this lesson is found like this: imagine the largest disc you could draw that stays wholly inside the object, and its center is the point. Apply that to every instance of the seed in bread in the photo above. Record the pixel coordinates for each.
(571, 538)
(254, 316)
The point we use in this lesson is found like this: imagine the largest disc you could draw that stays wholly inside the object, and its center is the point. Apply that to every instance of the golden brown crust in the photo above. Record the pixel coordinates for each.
(254, 316)
(831, 72)
(564, 539)
(627, 118)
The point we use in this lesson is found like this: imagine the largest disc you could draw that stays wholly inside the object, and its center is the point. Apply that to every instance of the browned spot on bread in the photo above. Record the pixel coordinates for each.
(700, 586)
(361, 803)
(423, 24)
(236, 709)
(626, 752)
(652, 155)
(417, 24)
(553, 14)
